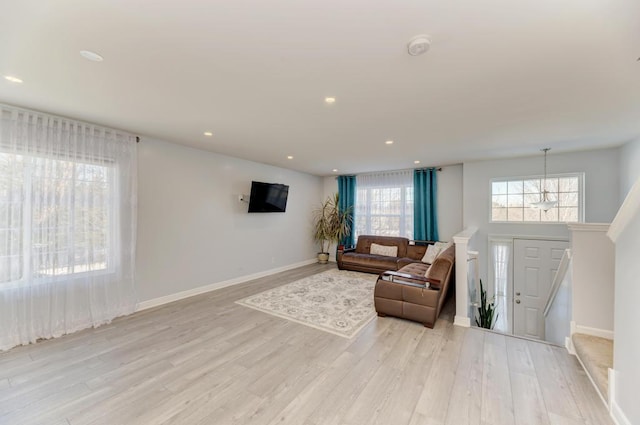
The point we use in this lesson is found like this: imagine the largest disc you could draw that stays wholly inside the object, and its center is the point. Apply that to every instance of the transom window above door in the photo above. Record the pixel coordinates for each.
(512, 199)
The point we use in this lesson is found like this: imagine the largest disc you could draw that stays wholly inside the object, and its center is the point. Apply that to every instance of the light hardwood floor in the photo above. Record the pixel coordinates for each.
(207, 360)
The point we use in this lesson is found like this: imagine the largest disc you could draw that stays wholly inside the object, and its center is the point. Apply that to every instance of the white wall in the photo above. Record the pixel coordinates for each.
(449, 199)
(629, 166)
(626, 356)
(192, 229)
(627, 293)
(593, 271)
(601, 193)
(329, 187)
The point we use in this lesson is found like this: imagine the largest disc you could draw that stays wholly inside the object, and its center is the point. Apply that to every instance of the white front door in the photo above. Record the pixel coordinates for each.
(535, 263)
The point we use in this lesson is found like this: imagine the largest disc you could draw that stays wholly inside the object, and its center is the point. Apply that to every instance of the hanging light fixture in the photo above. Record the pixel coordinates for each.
(545, 203)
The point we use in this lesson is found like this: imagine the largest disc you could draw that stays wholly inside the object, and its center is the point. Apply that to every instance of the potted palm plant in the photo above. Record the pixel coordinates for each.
(330, 225)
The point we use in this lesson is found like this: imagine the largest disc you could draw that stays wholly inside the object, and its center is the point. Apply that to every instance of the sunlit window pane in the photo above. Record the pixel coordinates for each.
(515, 214)
(550, 215)
(499, 214)
(568, 184)
(531, 214)
(515, 200)
(515, 186)
(551, 185)
(531, 199)
(499, 188)
(568, 199)
(499, 201)
(532, 186)
(568, 214)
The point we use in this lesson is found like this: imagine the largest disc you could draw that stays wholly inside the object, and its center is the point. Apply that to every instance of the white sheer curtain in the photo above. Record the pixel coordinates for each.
(67, 225)
(500, 257)
(384, 204)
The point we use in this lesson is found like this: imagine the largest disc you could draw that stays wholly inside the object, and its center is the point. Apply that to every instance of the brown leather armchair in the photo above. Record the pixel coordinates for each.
(417, 291)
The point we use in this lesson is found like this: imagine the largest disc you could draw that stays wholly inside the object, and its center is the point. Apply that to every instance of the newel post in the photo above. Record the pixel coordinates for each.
(463, 278)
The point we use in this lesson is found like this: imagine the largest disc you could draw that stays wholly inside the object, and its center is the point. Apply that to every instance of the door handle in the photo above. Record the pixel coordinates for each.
(517, 301)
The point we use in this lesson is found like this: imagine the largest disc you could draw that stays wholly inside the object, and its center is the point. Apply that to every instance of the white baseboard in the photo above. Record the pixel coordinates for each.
(595, 387)
(568, 344)
(616, 413)
(602, 333)
(463, 321)
(611, 385)
(144, 305)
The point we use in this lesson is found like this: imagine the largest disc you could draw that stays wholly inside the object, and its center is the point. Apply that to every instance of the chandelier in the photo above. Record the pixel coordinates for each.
(545, 203)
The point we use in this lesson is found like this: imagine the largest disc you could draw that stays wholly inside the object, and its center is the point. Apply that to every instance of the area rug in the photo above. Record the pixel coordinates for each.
(335, 301)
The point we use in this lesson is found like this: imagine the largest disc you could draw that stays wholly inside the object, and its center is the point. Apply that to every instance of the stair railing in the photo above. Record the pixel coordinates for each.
(557, 280)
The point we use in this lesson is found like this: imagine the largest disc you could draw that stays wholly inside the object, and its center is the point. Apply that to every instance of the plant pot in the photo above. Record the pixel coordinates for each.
(323, 257)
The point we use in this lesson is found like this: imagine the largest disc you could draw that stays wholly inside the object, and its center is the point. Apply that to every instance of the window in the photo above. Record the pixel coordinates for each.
(68, 192)
(511, 199)
(500, 272)
(56, 217)
(384, 204)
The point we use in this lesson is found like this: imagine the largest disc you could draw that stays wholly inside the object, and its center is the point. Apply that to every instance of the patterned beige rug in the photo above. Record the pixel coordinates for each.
(335, 301)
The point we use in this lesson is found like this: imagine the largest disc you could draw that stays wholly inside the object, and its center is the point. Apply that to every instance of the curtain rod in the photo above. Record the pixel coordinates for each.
(390, 171)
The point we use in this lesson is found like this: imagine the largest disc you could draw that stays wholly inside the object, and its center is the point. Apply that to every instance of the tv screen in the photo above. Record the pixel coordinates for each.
(268, 197)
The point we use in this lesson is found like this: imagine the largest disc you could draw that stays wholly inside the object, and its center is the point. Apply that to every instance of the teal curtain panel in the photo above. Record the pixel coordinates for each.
(425, 205)
(347, 201)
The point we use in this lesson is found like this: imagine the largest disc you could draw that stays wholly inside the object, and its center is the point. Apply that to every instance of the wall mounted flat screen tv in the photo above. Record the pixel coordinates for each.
(268, 197)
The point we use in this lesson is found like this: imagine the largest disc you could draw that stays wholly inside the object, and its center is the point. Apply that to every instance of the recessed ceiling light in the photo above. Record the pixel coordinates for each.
(416, 162)
(389, 142)
(335, 170)
(12, 79)
(329, 100)
(289, 157)
(208, 133)
(419, 45)
(92, 56)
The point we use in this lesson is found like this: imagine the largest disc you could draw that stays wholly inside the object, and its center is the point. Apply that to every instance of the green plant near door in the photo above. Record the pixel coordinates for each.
(487, 315)
(330, 225)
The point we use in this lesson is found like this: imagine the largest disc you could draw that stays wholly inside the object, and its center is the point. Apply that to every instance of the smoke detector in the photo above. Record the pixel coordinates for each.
(419, 45)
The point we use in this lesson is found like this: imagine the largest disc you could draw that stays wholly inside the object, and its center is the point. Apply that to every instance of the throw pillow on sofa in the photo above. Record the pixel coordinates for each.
(385, 250)
(443, 246)
(434, 250)
(431, 254)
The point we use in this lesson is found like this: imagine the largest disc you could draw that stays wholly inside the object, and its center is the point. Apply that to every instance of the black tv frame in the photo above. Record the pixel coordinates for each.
(260, 194)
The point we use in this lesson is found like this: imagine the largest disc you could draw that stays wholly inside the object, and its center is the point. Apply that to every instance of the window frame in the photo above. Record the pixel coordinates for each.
(581, 197)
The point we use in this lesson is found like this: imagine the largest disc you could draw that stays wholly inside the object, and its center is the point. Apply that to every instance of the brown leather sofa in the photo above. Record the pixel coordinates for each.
(417, 291)
(360, 258)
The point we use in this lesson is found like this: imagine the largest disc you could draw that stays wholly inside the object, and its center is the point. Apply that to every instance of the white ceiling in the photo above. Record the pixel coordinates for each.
(502, 77)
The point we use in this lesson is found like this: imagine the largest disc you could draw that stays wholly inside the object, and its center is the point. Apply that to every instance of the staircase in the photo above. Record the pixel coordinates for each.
(596, 356)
